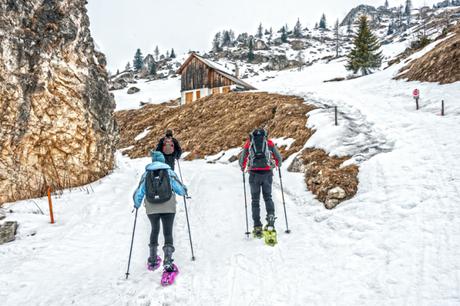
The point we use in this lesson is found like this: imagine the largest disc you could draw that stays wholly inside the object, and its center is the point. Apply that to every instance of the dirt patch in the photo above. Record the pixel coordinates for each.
(221, 122)
(215, 123)
(442, 64)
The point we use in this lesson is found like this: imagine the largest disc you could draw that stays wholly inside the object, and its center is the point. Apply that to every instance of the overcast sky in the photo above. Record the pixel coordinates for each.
(121, 26)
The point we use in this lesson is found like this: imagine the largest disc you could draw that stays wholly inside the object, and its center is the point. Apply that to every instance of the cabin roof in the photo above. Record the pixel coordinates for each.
(216, 67)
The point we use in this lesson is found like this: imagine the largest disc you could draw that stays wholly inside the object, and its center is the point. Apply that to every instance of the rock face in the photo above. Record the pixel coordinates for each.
(133, 90)
(56, 114)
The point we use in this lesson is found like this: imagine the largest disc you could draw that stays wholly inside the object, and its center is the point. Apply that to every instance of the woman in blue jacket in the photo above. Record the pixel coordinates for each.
(164, 211)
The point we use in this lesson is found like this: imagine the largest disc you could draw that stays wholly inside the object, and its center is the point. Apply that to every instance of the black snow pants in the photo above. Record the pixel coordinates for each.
(167, 221)
(261, 180)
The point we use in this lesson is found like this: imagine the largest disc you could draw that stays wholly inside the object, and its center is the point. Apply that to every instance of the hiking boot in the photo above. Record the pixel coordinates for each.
(168, 263)
(257, 232)
(270, 223)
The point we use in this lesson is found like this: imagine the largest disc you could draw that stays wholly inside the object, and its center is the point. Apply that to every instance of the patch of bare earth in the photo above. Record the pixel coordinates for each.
(221, 122)
(442, 64)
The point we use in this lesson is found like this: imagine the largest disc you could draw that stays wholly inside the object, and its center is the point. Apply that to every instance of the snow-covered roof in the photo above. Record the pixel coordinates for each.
(218, 68)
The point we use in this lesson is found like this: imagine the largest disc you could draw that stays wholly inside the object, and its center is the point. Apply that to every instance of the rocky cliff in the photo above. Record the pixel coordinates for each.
(56, 114)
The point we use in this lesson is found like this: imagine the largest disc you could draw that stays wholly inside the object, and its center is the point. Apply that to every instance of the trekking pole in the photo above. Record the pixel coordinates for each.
(186, 214)
(245, 205)
(284, 203)
(132, 241)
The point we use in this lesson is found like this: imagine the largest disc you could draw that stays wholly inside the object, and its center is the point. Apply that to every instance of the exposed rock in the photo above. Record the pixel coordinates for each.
(260, 45)
(336, 193)
(278, 62)
(324, 172)
(8, 231)
(56, 118)
(331, 203)
(364, 9)
(297, 165)
(278, 41)
(2, 214)
(133, 90)
(297, 45)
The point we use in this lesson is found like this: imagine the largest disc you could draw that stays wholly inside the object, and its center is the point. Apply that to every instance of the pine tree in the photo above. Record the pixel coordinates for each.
(216, 43)
(167, 54)
(349, 27)
(337, 38)
(365, 56)
(284, 36)
(251, 50)
(260, 30)
(298, 29)
(408, 9)
(128, 67)
(118, 71)
(138, 61)
(173, 54)
(322, 22)
(226, 39)
(387, 5)
(157, 53)
(270, 35)
(153, 68)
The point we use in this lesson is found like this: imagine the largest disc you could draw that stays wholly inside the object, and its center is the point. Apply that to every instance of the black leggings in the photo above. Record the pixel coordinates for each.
(168, 221)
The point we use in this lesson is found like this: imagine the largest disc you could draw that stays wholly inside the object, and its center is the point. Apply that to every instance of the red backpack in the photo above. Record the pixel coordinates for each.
(168, 146)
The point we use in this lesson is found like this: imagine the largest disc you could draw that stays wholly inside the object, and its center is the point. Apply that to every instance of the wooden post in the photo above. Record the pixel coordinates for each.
(335, 111)
(416, 103)
(442, 108)
(50, 205)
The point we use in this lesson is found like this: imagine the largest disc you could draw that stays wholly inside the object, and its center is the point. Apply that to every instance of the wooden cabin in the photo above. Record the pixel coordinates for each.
(201, 78)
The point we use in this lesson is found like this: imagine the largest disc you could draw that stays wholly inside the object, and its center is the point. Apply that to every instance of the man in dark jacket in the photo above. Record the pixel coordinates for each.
(170, 148)
(260, 156)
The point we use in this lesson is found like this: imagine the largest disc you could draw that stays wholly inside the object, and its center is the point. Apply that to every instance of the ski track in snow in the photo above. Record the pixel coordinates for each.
(397, 242)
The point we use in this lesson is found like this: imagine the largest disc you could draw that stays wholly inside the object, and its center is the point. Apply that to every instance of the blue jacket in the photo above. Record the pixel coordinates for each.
(176, 185)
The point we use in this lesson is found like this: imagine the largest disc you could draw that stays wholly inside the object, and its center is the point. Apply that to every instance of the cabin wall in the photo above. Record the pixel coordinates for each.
(204, 92)
(199, 75)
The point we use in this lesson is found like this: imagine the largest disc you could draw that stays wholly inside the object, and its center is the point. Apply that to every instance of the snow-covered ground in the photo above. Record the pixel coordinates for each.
(154, 92)
(397, 242)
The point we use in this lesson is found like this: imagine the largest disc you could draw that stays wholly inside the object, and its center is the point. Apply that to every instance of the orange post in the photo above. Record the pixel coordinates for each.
(51, 205)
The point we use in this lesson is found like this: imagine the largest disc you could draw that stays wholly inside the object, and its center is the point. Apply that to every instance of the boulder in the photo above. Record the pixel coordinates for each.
(297, 165)
(133, 90)
(297, 45)
(278, 62)
(336, 193)
(8, 231)
(331, 203)
(260, 45)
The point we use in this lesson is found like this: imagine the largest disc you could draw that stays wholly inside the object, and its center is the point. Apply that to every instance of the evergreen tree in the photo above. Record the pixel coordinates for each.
(337, 38)
(157, 53)
(251, 50)
(316, 26)
(128, 67)
(153, 68)
(364, 56)
(226, 39)
(173, 54)
(216, 43)
(138, 61)
(270, 35)
(260, 30)
(322, 22)
(349, 27)
(118, 71)
(231, 35)
(408, 9)
(390, 29)
(387, 5)
(167, 54)
(284, 36)
(298, 29)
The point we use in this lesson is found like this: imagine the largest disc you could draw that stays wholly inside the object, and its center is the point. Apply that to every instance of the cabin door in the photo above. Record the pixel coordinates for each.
(188, 97)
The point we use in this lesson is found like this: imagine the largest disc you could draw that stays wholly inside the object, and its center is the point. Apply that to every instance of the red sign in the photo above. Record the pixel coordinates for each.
(416, 93)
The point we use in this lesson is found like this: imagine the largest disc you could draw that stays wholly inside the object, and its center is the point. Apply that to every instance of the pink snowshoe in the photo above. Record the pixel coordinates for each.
(154, 266)
(169, 276)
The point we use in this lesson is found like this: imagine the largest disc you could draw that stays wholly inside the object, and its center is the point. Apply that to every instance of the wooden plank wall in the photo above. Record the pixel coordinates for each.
(198, 75)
